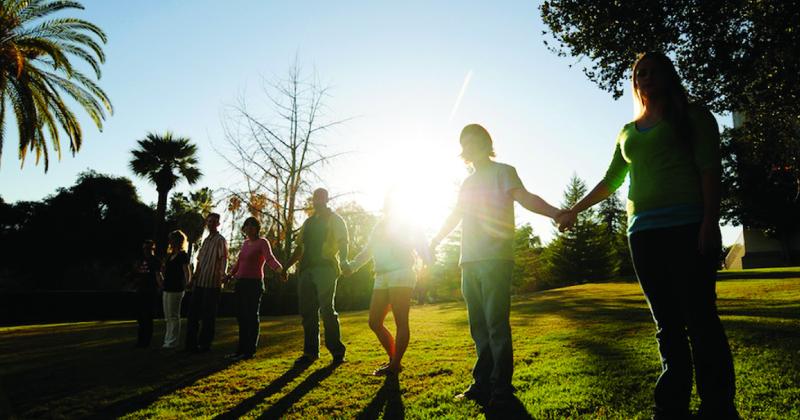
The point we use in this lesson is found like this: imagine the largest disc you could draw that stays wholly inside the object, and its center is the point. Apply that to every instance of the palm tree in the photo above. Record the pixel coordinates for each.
(164, 159)
(36, 72)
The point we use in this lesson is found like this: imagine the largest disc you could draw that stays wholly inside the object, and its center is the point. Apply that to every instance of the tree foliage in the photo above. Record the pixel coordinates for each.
(38, 73)
(99, 224)
(164, 160)
(187, 213)
(734, 56)
(585, 252)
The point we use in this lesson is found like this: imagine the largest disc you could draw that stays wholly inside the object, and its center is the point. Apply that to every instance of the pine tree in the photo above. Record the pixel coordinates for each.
(585, 252)
(615, 222)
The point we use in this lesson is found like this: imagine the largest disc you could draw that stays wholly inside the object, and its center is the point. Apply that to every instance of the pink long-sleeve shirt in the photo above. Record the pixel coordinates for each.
(252, 256)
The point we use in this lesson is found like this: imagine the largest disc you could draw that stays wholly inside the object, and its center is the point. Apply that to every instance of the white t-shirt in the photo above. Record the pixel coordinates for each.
(487, 209)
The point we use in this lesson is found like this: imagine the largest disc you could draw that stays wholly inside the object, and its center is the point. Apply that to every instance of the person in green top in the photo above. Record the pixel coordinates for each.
(670, 153)
(485, 211)
(321, 243)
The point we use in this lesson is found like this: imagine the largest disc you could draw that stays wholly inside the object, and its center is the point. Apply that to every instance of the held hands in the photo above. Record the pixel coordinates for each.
(566, 219)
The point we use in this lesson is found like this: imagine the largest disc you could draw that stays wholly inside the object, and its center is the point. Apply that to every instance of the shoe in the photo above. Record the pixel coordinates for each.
(473, 394)
(385, 370)
(338, 359)
(305, 360)
(234, 356)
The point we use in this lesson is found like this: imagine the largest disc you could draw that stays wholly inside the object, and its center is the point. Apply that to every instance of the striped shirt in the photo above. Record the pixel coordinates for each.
(212, 260)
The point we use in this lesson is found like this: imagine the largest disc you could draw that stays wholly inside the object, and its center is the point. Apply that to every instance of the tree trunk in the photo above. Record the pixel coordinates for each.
(161, 211)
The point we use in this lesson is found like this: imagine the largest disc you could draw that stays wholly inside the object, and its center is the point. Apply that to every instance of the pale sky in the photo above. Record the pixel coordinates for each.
(398, 68)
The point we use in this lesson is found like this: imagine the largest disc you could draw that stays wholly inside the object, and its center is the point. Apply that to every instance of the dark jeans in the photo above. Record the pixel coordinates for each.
(248, 301)
(679, 284)
(145, 311)
(316, 289)
(202, 317)
(486, 286)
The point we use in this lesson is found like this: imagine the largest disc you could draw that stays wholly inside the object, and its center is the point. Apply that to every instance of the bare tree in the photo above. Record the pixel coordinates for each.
(279, 155)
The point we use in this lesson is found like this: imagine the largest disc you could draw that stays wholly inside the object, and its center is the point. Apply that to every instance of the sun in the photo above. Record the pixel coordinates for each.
(423, 186)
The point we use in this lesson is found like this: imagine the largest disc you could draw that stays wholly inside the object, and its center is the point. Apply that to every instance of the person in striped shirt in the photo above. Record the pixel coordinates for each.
(206, 283)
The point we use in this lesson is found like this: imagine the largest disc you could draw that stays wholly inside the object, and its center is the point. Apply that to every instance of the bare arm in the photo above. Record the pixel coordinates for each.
(187, 273)
(296, 255)
(449, 224)
(599, 193)
(534, 203)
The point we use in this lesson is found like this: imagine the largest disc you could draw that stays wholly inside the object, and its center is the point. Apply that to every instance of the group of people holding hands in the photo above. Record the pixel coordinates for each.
(669, 152)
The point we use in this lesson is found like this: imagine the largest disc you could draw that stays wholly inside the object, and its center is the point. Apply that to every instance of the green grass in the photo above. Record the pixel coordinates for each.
(580, 352)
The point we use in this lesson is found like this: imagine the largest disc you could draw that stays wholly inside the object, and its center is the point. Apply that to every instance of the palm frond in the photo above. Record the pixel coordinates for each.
(38, 74)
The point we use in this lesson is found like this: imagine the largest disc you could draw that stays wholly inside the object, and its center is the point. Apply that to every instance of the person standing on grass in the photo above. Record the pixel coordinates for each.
(671, 152)
(176, 275)
(321, 244)
(147, 277)
(392, 246)
(205, 284)
(485, 210)
(249, 274)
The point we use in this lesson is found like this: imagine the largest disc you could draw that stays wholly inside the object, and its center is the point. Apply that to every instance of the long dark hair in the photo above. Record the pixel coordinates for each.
(675, 99)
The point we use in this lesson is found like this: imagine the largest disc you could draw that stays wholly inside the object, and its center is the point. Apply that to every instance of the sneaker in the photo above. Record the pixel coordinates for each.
(386, 370)
(305, 360)
(338, 359)
(234, 356)
(473, 394)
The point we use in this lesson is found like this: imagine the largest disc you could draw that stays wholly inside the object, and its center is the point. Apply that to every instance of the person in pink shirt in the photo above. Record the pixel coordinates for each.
(249, 274)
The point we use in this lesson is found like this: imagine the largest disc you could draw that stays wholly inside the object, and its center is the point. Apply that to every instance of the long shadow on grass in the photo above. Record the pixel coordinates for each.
(287, 401)
(137, 402)
(274, 386)
(513, 410)
(388, 397)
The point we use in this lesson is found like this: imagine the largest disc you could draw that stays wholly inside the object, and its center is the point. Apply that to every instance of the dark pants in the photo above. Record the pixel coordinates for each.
(316, 290)
(145, 311)
(248, 301)
(202, 317)
(486, 286)
(679, 284)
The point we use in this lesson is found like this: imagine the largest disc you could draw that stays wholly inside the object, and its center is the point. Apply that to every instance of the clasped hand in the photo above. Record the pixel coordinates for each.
(565, 219)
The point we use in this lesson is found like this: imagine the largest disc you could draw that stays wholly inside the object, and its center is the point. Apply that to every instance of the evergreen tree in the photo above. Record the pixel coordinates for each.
(615, 222)
(585, 252)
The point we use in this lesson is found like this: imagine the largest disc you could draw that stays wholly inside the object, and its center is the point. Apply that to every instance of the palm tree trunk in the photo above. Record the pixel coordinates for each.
(161, 211)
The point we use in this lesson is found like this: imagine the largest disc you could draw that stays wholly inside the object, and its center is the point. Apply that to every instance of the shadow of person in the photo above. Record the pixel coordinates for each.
(251, 402)
(287, 401)
(388, 399)
(514, 409)
(139, 401)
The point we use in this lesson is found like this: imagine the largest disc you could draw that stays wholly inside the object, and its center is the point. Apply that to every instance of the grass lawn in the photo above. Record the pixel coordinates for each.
(580, 352)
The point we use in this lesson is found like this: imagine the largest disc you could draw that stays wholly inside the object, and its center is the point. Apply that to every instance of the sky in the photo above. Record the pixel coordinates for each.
(406, 75)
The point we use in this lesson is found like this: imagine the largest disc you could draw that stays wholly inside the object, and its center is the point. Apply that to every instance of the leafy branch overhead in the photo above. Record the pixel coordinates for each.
(38, 73)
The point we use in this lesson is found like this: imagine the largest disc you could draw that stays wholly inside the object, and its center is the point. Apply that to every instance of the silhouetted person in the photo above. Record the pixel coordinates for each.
(147, 276)
(485, 210)
(206, 282)
(671, 151)
(249, 274)
(321, 243)
(176, 276)
(393, 246)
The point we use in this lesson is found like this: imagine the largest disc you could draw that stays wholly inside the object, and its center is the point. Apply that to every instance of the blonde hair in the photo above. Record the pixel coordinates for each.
(177, 242)
(676, 100)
